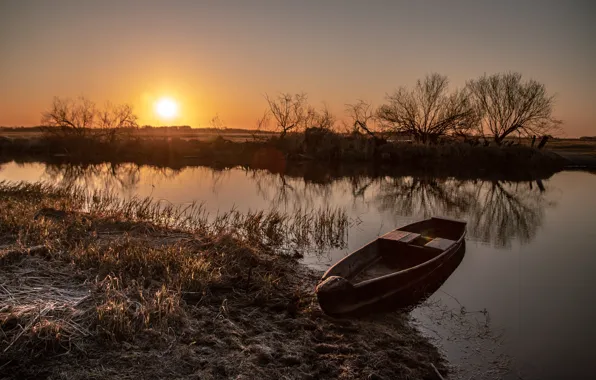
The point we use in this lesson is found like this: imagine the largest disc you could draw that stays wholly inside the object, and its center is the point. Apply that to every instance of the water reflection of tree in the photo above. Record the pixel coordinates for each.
(424, 196)
(497, 211)
(507, 211)
(106, 176)
(289, 193)
(359, 186)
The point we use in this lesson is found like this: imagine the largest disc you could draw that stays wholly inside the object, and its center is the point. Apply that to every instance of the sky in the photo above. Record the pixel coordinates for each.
(222, 57)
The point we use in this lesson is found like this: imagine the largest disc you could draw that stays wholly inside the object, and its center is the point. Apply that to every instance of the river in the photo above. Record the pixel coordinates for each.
(520, 304)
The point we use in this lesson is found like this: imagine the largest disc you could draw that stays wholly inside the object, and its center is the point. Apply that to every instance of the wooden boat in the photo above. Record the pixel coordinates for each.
(397, 265)
(410, 297)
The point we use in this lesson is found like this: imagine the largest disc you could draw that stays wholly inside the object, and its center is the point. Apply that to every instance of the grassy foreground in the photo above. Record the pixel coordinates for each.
(95, 287)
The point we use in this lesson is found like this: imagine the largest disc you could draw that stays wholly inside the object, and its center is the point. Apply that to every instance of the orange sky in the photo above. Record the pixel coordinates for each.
(221, 57)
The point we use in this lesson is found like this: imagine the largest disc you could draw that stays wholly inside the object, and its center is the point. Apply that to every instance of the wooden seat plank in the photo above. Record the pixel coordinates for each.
(440, 243)
(401, 236)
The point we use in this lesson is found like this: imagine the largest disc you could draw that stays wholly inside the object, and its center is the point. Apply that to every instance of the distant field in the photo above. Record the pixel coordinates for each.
(573, 145)
(558, 145)
(194, 134)
(19, 134)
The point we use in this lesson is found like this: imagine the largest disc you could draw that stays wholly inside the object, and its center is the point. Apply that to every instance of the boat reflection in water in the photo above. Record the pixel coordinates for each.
(397, 270)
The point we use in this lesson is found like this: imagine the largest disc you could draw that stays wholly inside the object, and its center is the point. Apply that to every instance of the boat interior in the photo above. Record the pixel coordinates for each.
(410, 246)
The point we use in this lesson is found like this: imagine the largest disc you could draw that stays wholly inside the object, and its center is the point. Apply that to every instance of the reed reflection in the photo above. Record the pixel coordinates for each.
(498, 212)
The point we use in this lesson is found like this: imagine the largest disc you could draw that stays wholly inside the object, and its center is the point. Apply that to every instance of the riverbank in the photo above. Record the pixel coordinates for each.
(97, 287)
(580, 154)
(457, 159)
(579, 160)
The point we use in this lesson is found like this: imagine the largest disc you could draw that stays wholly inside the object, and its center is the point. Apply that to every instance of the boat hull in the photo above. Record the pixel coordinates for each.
(404, 288)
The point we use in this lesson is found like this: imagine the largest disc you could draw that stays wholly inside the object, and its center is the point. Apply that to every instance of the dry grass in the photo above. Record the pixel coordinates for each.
(139, 290)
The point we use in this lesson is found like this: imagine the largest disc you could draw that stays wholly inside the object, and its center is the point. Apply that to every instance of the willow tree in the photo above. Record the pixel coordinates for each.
(506, 104)
(427, 111)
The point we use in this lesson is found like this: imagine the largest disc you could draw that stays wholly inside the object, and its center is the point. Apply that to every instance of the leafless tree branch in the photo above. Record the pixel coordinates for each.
(506, 105)
(290, 112)
(427, 111)
(363, 116)
(82, 117)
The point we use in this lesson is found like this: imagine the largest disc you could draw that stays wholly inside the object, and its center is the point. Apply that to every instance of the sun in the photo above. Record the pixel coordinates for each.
(166, 108)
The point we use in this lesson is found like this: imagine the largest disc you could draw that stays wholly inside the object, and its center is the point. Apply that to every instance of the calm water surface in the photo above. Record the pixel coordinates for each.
(521, 303)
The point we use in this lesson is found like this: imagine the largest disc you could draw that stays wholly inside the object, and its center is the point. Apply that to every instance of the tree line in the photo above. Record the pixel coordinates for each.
(493, 107)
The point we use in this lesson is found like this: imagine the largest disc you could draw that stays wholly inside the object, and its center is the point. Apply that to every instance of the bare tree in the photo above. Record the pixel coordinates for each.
(322, 119)
(82, 117)
(428, 111)
(114, 119)
(217, 123)
(506, 105)
(326, 120)
(289, 111)
(363, 116)
(74, 117)
(261, 125)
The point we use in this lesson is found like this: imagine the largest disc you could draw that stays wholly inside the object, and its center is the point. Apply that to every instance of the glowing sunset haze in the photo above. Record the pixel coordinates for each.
(204, 58)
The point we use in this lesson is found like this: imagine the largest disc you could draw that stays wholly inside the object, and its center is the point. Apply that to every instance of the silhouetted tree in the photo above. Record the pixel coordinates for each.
(261, 125)
(82, 117)
(505, 105)
(363, 116)
(114, 119)
(289, 111)
(319, 133)
(322, 119)
(69, 116)
(217, 123)
(428, 111)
